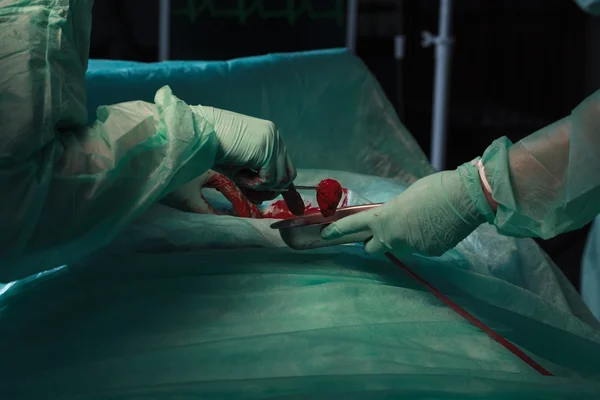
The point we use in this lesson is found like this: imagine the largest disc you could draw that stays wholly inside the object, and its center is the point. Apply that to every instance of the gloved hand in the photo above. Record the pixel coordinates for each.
(430, 217)
(251, 151)
(189, 196)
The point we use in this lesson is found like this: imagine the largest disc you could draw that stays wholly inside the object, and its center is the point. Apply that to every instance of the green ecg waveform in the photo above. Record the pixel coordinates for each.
(246, 8)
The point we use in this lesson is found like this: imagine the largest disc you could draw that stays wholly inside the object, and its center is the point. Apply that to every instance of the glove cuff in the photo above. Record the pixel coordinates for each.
(471, 180)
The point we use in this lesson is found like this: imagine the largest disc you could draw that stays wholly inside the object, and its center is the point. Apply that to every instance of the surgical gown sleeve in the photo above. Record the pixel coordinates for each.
(549, 182)
(66, 188)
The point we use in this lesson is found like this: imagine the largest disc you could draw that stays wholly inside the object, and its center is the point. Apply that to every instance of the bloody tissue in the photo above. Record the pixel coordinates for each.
(329, 194)
(279, 210)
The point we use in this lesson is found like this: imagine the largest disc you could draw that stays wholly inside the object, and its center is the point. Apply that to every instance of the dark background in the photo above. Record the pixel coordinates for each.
(517, 66)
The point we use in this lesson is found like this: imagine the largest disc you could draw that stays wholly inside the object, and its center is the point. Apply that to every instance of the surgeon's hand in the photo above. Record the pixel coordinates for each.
(189, 196)
(430, 217)
(251, 151)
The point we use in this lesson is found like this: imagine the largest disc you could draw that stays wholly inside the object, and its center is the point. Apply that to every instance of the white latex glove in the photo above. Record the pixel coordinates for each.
(251, 152)
(430, 217)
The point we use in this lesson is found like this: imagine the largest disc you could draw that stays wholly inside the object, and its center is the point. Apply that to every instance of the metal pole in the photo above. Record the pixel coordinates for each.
(164, 30)
(399, 56)
(443, 53)
(399, 44)
(351, 22)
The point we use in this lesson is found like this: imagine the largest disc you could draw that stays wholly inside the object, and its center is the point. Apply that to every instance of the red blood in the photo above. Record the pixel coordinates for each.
(310, 209)
(241, 205)
(329, 194)
(279, 210)
(345, 202)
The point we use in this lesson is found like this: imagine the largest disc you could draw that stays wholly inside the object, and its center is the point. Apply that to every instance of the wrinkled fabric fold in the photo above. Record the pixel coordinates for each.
(548, 183)
(69, 188)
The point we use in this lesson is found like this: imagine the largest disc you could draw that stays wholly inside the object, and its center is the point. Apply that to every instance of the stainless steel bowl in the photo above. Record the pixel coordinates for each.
(304, 232)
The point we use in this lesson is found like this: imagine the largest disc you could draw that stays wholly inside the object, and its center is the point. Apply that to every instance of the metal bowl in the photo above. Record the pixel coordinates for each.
(304, 232)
